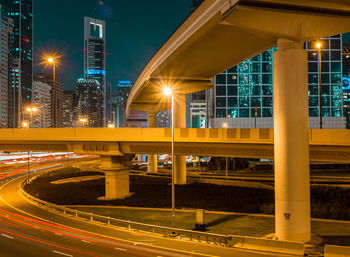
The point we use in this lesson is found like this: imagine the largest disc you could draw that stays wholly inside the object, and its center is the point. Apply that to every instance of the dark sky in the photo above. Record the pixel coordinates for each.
(135, 30)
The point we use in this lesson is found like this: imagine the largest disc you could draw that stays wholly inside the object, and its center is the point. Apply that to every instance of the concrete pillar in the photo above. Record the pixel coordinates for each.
(152, 158)
(180, 122)
(291, 153)
(117, 176)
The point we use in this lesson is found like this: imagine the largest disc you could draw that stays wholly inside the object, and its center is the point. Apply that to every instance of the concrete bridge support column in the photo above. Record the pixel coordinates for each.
(117, 176)
(152, 158)
(180, 122)
(291, 153)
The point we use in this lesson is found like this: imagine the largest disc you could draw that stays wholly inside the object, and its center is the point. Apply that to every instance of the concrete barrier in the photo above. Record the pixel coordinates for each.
(336, 251)
(268, 245)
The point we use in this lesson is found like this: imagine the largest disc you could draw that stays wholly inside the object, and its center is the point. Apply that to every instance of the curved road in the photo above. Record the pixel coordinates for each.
(27, 230)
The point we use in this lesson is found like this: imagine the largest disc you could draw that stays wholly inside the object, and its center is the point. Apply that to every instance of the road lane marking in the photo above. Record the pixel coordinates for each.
(4, 235)
(47, 243)
(120, 249)
(65, 254)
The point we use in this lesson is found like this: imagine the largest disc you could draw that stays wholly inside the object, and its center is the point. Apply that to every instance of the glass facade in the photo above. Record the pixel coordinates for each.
(20, 58)
(246, 90)
(331, 77)
(95, 57)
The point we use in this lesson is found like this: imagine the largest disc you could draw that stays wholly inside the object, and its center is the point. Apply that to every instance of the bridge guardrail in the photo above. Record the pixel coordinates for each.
(131, 225)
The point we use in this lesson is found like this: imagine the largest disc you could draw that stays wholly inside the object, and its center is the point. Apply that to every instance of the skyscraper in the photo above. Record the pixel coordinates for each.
(4, 65)
(88, 101)
(42, 101)
(120, 94)
(95, 56)
(48, 79)
(69, 118)
(21, 62)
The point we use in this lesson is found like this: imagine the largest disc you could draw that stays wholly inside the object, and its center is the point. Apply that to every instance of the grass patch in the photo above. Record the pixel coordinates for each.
(153, 192)
(149, 192)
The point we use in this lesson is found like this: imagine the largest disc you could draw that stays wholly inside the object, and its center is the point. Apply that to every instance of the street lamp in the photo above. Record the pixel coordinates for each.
(31, 110)
(110, 125)
(168, 92)
(25, 124)
(318, 46)
(51, 61)
(83, 120)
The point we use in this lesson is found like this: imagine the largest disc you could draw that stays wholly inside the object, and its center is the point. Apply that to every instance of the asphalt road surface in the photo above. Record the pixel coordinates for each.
(29, 231)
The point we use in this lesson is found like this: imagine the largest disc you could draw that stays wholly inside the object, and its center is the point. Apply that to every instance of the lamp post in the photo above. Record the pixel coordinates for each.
(318, 45)
(167, 91)
(51, 61)
(31, 110)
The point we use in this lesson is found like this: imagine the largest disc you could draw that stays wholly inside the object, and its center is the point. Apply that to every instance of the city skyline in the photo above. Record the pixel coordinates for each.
(124, 62)
(125, 31)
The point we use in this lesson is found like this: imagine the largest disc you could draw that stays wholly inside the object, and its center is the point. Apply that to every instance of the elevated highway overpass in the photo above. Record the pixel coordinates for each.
(219, 35)
(326, 145)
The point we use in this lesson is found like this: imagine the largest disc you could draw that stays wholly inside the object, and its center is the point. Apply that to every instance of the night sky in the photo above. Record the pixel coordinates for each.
(135, 30)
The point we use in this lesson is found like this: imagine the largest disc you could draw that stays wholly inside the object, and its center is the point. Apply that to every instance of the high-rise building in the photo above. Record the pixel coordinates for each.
(95, 56)
(21, 58)
(120, 94)
(243, 95)
(48, 79)
(4, 66)
(198, 114)
(88, 101)
(69, 118)
(42, 101)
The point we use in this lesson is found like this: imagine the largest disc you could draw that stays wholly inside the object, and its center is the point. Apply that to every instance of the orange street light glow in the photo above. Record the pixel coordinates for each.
(318, 45)
(32, 109)
(50, 60)
(167, 91)
(25, 124)
(110, 125)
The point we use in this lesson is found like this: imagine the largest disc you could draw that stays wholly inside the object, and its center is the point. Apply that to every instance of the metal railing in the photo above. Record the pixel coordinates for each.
(130, 225)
